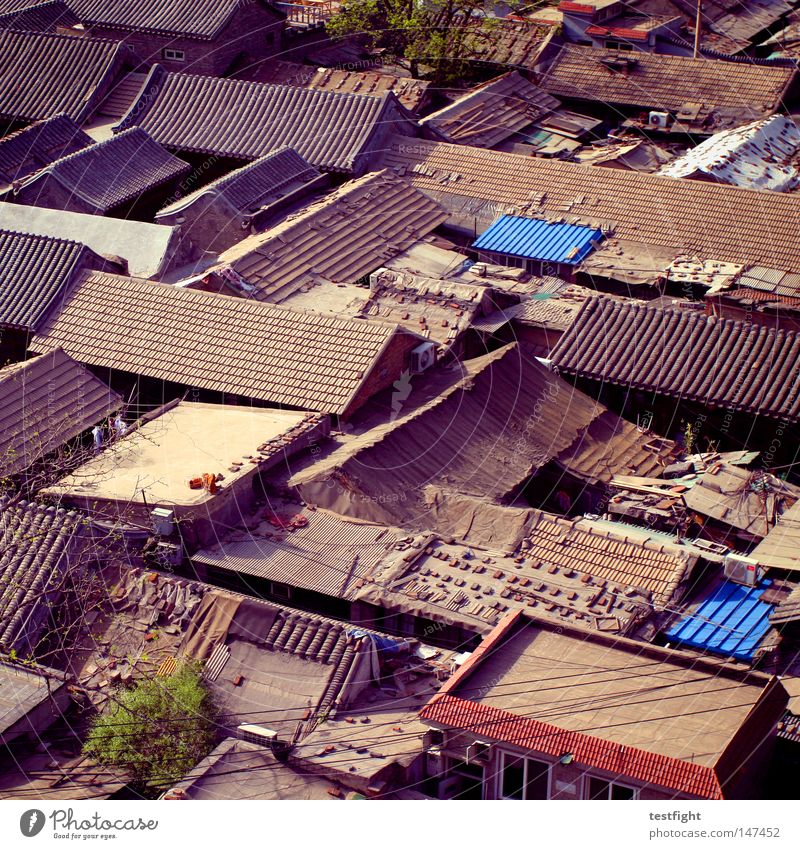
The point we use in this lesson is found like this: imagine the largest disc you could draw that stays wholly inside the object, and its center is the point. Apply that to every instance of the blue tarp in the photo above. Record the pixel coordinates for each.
(534, 238)
(730, 621)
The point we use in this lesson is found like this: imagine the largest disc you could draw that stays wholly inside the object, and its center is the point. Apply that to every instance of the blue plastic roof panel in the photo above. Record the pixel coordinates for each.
(730, 621)
(535, 238)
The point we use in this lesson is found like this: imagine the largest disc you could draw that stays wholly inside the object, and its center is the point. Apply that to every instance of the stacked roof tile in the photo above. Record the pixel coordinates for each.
(38, 145)
(340, 238)
(694, 218)
(410, 92)
(215, 342)
(61, 73)
(37, 556)
(493, 111)
(44, 403)
(34, 271)
(246, 120)
(107, 174)
(35, 15)
(684, 354)
(742, 91)
(202, 19)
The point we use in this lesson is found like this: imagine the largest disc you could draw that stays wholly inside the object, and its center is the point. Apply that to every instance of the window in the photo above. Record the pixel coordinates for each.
(175, 55)
(619, 45)
(523, 778)
(277, 590)
(599, 788)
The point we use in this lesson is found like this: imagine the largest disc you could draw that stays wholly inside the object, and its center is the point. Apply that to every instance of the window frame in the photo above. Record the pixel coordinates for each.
(504, 755)
(176, 55)
(585, 790)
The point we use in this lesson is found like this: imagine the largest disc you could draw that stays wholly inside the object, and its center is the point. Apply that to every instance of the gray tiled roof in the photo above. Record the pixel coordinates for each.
(253, 186)
(38, 145)
(247, 120)
(33, 271)
(35, 15)
(340, 238)
(305, 558)
(111, 172)
(665, 82)
(197, 18)
(686, 355)
(216, 342)
(61, 73)
(36, 544)
(44, 403)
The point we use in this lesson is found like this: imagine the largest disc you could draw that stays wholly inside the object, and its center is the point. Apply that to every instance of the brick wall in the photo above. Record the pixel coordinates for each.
(390, 366)
(254, 31)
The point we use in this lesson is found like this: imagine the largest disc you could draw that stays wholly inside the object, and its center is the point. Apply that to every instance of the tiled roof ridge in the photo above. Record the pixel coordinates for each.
(617, 535)
(232, 177)
(526, 732)
(721, 189)
(8, 502)
(31, 34)
(41, 237)
(100, 145)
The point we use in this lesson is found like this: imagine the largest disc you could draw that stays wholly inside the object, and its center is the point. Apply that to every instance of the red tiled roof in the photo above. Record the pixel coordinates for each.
(496, 724)
(619, 32)
(569, 6)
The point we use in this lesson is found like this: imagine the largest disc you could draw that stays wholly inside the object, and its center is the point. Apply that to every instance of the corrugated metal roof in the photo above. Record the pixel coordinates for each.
(731, 621)
(536, 238)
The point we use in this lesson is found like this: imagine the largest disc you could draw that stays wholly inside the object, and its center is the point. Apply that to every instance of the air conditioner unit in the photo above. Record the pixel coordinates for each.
(658, 119)
(741, 570)
(478, 752)
(257, 734)
(163, 521)
(423, 357)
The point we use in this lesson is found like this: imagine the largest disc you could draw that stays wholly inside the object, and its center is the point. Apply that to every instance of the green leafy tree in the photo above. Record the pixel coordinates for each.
(157, 730)
(438, 34)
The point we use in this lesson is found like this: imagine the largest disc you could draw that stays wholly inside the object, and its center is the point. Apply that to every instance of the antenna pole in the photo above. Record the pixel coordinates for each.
(698, 25)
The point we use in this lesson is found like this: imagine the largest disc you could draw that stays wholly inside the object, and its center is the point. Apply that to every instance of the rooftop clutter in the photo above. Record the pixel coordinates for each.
(374, 396)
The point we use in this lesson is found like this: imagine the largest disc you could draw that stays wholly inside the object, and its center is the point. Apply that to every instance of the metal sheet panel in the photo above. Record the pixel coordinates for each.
(730, 621)
(535, 238)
